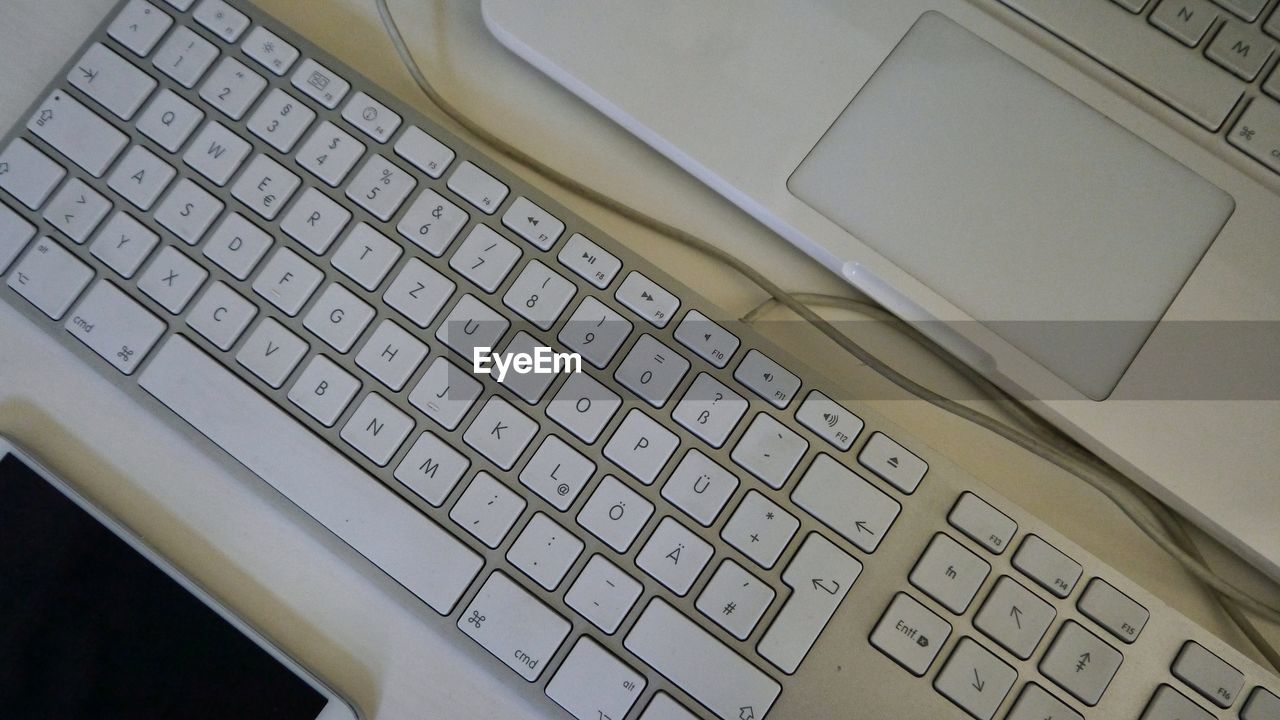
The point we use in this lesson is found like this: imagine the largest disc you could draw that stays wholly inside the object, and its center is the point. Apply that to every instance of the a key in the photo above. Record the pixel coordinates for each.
(425, 152)
(77, 132)
(592, 684)
(844, 501)
(545, 551)
(469, 325)
(330, 153)
(28, 174)
(391, 355)
(675, 646)
(583, 406)
(769, 450)
(419, 292)
(445, 393)
(735, 599)
(589, 261)
(237, 246)
(485, 258)
(15, 233)
(50, 278)
(652, 370)
(1208, 674)
(949, 573)
(820, 576)
(338, 317)
(500, 432)
(703, 336)
(674, 556)
(515, 626)
(169, 120)
(975, 679)
(112, 82)
(1116, 612)
(478, 187)
(700, 487)
(768, 379)
(641, 446)
(710, 410)
(380, 187)
(268, 50)
(220, 18)
(272, 352)
(115, 326)
(487, 509)
(432, 222)
(265, 187)
(557, 472)
(232, 88)
(983, 524)
(377, 429)
(647, 299)
(532, 223)
(615, 513)
(1047, 565)
(217, 153)
(139, 26)
(829, 420)
(595, 331)
(1035, 703)
(528, 385)
(432, 468)
(221, 315)
(603, 594)
(371, 117)
(172, 279)
(760, 529)
(188, 211)
(366, 256)
(185, 56)
(320, 83)
(140, 177)
(315, 221)
(910, 634)
(1014, 617)
(1080, 663)
(1169, 704)
(288, 281)
(76, 210)
(539, 294)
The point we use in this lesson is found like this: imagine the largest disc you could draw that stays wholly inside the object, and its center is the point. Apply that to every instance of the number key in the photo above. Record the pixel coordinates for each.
(652, 370)
(595, 331)
(539, 294)
(280, 120)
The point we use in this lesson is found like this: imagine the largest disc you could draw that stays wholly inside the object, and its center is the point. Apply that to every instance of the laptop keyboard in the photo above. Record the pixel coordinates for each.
(1216, 62)
(220, 217)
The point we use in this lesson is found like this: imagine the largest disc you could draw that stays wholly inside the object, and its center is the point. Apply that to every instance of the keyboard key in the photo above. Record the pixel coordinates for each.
(15, 233)
(1208, 674)
(710, 341)
(477, 187)
(392, 355)
(662, 707)
(676, 647)
(425, 152)
(377, 429)
(113, 82)
(315, 221)
(371, 117)
(545, 551)
(529, 385)
(77, 132)
(268, 50)
(172, 279)
(949, 573)
(76, 210)
(338, 317)
(641, 446)
(710, 410)
(500, 432)
(674, 556)
(324, 390)
(469, 325)
(975, 680)
(615, 513)
(265, 187)
(1014, 617)
(123, 244)
(288, 281)
(592, 684)
(432, 468)
(139, 26)
(184, 56)
(232, 88)
(1116, 612)
(532, 223)
(188, 211)
(272, 352)
(487, 509)
(366, 256)
(603, 594)
(221, 315)
(320, 83)
(769, 450)
(1169, 704)
(217, 153)
(829, 420)
(169, 120)
(910, 634)
(850, 505)
(760, 529)
(223, 20)
(595, 331)
(1261, 705)
(1257, 132)
(381, 187)
(281, 120)
(140, 177)
(445, 393)
(432, 222)
(768, 379)
(819, 576)
(1186, 21)
(700, 487)
(652, 370)
(982, 523)
(485, 258)
(1080, 663)
(1047, 565)
(28, 174)
(589, 261)
(419, 292)
(513, 625)
(648, 299)
(1247, 10)
(583, 406)
(330, 153)
(1241, 50)
(735, 599)
(557, 472)
(1036, 704)
(237, 246)
(539, 294)
(115, 326)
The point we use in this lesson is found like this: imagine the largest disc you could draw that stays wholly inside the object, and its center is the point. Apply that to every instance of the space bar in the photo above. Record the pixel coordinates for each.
(403, 543)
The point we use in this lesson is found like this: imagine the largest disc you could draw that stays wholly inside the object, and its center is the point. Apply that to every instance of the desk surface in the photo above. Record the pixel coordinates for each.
(303, 588)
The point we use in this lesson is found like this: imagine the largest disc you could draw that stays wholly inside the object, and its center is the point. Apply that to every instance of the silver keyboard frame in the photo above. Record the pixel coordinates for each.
(843, 675)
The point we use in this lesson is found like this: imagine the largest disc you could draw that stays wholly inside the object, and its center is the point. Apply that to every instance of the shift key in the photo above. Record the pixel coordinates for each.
(77, 132)
(115, 326)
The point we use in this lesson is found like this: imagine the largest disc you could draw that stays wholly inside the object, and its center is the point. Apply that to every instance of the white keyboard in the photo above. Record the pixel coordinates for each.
(249, 237)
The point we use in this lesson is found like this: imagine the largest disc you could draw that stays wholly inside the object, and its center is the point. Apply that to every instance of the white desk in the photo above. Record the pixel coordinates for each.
(284, 573)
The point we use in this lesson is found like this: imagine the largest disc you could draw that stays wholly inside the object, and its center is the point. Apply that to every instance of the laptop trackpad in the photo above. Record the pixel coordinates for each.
(1015, 201)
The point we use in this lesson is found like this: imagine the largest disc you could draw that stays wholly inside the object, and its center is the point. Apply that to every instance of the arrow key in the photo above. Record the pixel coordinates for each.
(1014, 617)
(975, 679)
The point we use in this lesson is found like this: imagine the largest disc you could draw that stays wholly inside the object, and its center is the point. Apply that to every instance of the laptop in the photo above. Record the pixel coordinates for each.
(1080, 199)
